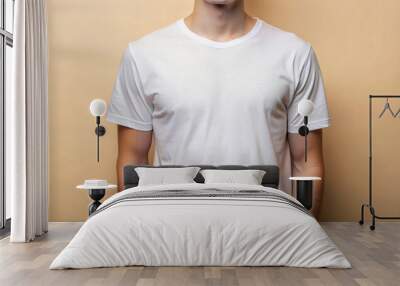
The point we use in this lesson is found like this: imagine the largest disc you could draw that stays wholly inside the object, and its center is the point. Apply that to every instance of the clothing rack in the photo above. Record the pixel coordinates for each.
(370, 189)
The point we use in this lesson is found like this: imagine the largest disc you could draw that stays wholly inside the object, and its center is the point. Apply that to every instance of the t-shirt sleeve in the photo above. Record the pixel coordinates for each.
(129, 105)
(308, 85)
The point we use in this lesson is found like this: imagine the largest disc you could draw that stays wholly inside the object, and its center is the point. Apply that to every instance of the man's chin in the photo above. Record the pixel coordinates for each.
(220, 2)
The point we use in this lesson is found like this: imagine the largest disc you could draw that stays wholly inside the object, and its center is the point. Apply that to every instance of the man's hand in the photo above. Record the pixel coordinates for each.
(133, 149)
(314, 165)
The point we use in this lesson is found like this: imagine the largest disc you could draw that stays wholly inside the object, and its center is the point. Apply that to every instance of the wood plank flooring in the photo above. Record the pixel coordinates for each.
(375, 257)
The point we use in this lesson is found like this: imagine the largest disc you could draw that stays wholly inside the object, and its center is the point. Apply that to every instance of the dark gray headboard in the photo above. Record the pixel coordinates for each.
(270, 179)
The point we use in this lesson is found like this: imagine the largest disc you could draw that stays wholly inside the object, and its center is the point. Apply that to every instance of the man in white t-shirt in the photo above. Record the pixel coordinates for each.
(220, 87)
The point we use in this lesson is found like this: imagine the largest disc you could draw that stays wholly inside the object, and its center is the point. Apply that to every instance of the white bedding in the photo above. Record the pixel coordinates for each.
(185, 231)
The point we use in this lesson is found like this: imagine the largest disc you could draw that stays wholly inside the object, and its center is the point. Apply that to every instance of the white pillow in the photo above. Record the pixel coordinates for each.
(249, 177)
(162, 176)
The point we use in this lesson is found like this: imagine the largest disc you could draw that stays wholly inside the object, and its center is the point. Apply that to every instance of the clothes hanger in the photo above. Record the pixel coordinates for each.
(387, 107)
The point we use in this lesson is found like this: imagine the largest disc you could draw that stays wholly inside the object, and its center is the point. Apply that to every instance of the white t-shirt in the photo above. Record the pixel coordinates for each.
(219, 103)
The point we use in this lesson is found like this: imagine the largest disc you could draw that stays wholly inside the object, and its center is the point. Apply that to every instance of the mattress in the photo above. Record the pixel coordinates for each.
(201, 225)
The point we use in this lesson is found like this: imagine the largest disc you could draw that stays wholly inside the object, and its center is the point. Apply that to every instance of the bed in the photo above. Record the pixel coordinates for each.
(199, 224)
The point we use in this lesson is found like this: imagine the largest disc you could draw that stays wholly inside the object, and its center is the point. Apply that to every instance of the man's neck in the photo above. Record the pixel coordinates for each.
(219, 22)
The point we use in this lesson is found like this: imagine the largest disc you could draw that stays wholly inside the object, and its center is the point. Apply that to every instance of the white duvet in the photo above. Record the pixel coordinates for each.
(200, 231)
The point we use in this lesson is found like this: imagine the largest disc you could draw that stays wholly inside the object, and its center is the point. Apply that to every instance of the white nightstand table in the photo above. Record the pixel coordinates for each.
(97, 190)
(304, 190)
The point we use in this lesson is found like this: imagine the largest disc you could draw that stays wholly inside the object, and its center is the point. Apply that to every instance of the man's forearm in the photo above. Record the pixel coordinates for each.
(123, 161)
(314, 165)
(133, 149)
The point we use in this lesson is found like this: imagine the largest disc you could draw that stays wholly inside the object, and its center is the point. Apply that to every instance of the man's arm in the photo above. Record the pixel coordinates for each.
(133, 148)
(314, 165)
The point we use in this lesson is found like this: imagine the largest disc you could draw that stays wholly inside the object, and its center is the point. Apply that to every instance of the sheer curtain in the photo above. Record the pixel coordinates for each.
(27, 130)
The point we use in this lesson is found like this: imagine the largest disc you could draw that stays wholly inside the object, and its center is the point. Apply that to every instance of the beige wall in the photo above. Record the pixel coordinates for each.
(358, 45)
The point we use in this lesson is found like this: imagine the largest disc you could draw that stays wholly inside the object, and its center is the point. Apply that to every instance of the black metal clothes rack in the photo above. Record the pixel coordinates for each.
(370, 170)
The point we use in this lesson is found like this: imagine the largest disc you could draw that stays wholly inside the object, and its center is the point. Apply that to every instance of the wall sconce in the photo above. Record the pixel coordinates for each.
(305, 108)
(98, 108)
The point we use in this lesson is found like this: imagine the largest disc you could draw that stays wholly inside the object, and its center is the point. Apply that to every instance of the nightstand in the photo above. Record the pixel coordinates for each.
(96, 190)
(304, 190)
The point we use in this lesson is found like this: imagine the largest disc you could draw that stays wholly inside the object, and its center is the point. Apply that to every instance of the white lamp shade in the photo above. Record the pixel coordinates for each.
(305, 107)
(98, 107)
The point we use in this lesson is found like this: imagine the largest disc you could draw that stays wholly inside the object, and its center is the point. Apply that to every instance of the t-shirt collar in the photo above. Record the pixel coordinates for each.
(216, 44)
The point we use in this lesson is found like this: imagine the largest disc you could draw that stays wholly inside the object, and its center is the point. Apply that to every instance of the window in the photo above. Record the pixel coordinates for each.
(6, 62)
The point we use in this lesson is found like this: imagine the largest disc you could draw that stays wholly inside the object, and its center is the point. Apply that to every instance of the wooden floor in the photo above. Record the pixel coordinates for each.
(375, 257)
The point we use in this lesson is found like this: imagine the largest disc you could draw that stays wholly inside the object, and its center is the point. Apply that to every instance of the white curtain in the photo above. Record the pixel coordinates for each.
(26, 119)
